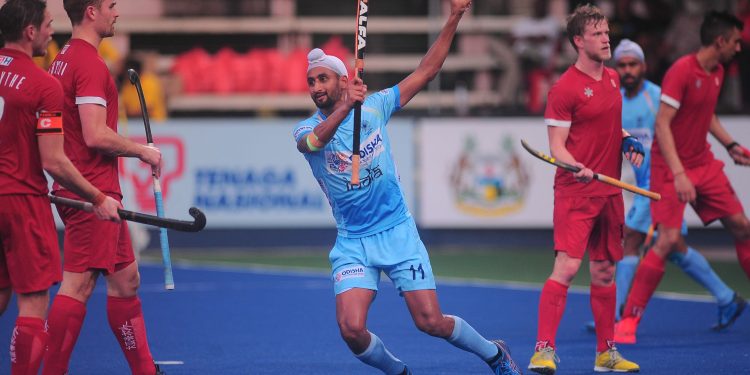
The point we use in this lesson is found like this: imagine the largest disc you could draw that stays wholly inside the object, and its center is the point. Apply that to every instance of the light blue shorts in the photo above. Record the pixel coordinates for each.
(398, 251)
(639, 216)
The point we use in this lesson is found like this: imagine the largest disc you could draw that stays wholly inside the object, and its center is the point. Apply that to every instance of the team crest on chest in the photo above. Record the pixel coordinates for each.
(588, 92)
(698, 83)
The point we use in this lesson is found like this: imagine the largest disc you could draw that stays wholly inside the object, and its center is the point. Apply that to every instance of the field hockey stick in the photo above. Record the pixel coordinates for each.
(360, 41)
(196, 225)
(163, 239)
(603, 178)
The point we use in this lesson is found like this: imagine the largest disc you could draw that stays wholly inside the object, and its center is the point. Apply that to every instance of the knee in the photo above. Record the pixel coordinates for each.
(602, 273)
(80, 289)
(743, 230)
(565, 272)
(352, 330)
(667, 242)
(124, 285)
(433, 325)
(33, 304)
(603, 277)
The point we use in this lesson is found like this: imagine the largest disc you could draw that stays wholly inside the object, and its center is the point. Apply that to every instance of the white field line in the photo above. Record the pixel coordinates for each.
(452, 281)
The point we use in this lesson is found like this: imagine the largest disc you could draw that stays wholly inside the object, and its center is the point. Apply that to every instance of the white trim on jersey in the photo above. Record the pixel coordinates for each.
(670, 100)
(91, 100)
(560, 123)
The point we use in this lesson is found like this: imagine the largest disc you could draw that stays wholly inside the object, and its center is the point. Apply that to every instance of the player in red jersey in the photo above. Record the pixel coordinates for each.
(92, 247)
(685, 171)
(583, 118)
(31, 135)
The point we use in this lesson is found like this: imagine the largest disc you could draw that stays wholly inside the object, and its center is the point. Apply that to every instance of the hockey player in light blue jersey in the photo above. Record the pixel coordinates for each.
(376, 232)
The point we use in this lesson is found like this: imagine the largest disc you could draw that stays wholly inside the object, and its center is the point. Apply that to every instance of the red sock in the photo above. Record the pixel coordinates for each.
(551, 308)
(603, 306)
(646, 280)
(743, 255)
(27, 346)
(126, 321)
(65, 321)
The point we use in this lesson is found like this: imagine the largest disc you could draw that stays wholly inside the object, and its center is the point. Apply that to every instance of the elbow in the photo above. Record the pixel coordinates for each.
(427, 73)
(555, 149)
(431, 74)
(53, 166)
(93, 140)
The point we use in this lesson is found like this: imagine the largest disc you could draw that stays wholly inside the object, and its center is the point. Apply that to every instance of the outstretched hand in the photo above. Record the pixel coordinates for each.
(458, 7)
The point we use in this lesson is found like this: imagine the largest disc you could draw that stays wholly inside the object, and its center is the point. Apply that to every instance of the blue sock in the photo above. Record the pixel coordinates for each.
(376, 355)
(465, 337)
(697, 267)
(623, 278)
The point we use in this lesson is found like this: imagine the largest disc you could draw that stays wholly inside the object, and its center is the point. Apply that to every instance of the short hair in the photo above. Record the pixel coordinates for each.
(717, 24)
(76, 9)
(16, 15)
(582, 16)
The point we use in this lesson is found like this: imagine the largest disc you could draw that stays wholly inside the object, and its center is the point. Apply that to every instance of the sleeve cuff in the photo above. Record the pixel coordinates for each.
(560, 123)
(670, 101)
(91, 100)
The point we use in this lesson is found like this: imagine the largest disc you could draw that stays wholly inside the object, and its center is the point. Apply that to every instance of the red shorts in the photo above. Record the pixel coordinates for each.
(715, 197)
(91, 243)
(29, 253)
(589, 223)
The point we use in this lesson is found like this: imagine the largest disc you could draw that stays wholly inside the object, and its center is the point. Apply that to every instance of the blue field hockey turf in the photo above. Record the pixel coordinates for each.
(240, 321)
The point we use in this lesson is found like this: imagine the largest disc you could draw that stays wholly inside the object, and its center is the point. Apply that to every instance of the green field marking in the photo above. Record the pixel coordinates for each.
(518, 265)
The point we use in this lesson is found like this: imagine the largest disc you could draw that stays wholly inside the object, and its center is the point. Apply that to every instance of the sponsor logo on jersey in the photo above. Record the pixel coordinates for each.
(357, 272)
(5, 60)
(373, 146)
(337, 162)
(364, 182)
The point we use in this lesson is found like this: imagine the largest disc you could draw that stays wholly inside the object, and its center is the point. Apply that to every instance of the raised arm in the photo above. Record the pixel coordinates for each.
(98, 136)
(432, 62)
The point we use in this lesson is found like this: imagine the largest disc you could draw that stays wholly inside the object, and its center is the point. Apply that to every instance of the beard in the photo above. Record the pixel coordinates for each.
(325, 104)
(330, 100)
(38, 51)
(630, 82)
